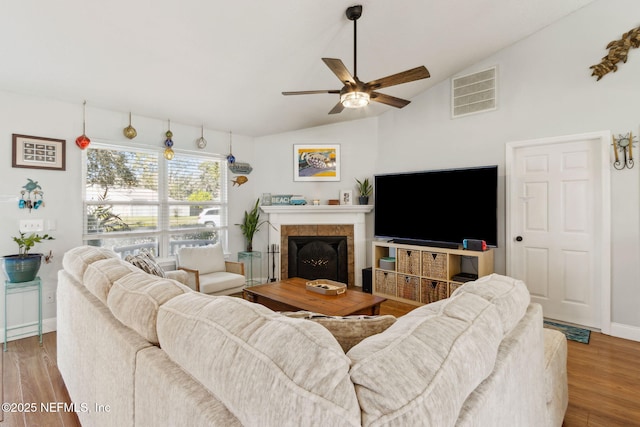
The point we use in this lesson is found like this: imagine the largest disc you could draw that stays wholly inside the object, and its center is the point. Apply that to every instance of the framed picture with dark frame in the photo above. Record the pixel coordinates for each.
(37, 152)
(316, 162)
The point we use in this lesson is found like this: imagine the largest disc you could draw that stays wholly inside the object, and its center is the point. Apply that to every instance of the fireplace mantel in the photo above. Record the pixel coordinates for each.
(311, 209)
(323, 214)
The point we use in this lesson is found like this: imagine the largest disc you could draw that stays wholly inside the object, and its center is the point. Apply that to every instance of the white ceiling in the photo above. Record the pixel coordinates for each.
(225, 63)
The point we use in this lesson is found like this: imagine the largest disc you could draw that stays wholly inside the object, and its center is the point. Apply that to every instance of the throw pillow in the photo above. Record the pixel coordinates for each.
(145, 262)
(347, 330)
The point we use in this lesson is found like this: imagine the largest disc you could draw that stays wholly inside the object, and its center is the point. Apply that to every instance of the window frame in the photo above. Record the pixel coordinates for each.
(163, 230)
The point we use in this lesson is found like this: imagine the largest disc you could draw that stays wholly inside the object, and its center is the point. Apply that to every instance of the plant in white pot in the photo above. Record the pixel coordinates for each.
(24, 266)
(364, 190)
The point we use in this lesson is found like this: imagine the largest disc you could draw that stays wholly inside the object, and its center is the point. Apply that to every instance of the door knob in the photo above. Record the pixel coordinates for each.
(519, 239)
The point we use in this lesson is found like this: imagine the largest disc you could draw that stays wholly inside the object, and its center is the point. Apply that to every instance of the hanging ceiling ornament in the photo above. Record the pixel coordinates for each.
(83, 140)
(168, 152)
(201, 142)
(130, 132)
(230, 158)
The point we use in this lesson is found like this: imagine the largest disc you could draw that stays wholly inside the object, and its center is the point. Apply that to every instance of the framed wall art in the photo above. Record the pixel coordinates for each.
(346, 197)
(38, 153)
(316, 162)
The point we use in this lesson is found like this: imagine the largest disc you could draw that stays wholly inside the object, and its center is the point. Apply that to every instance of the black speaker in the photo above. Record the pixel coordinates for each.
(366, 280)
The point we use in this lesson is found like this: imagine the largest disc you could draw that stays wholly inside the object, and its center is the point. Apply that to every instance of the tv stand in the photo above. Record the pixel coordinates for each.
(423, 274)
(430, 243)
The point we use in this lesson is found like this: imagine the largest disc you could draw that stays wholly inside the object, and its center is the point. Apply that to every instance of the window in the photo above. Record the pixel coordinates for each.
(136, 199)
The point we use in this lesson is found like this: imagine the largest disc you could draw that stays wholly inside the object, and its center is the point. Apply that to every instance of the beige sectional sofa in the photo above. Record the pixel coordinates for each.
(154, 353)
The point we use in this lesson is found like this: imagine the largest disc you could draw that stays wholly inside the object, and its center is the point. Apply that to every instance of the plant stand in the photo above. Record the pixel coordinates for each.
(252, 266)
(15, 288)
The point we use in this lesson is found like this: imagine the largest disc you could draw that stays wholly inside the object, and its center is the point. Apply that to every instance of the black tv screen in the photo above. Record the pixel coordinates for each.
(438, 206)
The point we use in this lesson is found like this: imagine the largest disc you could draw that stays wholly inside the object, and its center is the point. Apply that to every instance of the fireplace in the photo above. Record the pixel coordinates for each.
(318, 257)
(320, 221)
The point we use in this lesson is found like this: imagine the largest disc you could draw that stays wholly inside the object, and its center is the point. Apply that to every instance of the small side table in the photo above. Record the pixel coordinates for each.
(252, 266)
(16, 288)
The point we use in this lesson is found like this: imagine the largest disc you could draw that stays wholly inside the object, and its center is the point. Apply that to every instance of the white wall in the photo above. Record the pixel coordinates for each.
(545, 89)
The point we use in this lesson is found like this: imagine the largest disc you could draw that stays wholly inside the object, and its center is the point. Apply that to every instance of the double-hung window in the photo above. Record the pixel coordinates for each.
(136, 199)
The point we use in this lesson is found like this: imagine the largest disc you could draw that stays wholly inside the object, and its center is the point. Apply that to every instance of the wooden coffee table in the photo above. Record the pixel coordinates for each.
(291, 295)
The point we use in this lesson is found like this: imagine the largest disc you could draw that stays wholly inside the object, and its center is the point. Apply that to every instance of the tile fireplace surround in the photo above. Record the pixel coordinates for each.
(321, 220)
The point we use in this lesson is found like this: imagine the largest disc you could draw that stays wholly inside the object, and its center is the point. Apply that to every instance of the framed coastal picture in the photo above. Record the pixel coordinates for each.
(38, 152)
(316, 162)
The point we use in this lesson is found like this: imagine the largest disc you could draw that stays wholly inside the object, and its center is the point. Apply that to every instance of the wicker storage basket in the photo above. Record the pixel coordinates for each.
(409, 287)
(408, 261)
(453, 286)
(385, 283)
(434, 265)
(432, 290)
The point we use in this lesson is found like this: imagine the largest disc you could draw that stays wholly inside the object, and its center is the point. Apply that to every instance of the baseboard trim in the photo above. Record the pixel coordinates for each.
(627, 332)
(48, 325)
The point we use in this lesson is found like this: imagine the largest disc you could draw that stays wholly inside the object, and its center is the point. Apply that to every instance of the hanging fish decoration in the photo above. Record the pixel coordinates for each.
(240, 179)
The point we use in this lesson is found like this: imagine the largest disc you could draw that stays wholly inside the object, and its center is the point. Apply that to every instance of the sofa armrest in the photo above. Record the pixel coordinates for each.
(193, 278)
(234, 267)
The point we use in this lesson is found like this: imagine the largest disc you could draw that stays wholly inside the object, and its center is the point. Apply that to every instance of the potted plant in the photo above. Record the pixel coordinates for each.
(24, 266)
(365, 189)
(251, 225)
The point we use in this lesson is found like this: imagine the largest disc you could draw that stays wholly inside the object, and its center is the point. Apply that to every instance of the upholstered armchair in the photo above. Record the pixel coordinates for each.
(208, 271)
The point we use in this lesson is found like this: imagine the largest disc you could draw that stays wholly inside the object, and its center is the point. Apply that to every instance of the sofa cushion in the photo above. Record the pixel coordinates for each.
(510, 296)
(205, 259)
(422, 368)
(220, 282)
(100, 275)
(268, 369)
(76, 260)
(348, 330)
(146, 262)
(135, 298)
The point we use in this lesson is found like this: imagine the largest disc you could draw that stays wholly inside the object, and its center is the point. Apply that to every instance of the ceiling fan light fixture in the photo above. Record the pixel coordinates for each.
(355, 99)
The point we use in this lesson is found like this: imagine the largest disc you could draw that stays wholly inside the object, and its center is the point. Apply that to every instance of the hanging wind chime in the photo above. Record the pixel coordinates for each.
(230, 158)
(201, 142)
(83, 140)
(168, 143)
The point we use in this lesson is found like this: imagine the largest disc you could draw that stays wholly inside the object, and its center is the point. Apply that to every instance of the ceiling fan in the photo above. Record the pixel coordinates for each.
(355, 93)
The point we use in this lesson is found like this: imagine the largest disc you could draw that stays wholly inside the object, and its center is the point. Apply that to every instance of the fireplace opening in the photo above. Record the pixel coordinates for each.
(318, 257)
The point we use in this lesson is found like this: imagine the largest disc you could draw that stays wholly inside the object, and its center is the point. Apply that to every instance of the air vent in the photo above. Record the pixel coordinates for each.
(473, 93)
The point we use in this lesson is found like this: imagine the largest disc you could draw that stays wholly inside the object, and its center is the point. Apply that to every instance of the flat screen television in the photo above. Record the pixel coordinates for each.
(437, 207)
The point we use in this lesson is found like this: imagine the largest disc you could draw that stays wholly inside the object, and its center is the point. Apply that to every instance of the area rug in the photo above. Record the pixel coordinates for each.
(572, 333)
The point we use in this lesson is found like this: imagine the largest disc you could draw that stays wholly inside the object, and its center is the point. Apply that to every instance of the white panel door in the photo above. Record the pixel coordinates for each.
(557, 206)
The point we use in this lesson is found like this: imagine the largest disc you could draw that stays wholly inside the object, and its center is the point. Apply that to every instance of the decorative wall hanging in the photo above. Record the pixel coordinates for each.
(618, 51)
(201, 142)
(83, 140)
(168, 143)
(38, 153)
(130, 132)
(624, 144)
(316, 162)
(31, 196)
(230, 158)
(240, 167)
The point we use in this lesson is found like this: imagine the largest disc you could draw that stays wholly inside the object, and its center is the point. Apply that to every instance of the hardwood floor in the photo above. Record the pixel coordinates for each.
(604, 380)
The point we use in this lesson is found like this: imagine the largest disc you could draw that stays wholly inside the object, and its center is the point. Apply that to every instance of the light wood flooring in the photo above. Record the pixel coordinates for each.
(604, 380)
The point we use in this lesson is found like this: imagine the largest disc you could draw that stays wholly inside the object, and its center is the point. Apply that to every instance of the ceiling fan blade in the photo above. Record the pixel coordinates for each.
(389, 100)
(310, 92)
(417, 73)
(337, 108)
(339, 70)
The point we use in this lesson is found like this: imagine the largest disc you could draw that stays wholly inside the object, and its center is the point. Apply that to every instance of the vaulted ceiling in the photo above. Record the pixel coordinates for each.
(224, 64)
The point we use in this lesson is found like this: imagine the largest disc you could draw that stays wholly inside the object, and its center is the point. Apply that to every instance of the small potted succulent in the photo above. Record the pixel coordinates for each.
(24, 266)
(364, 189)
